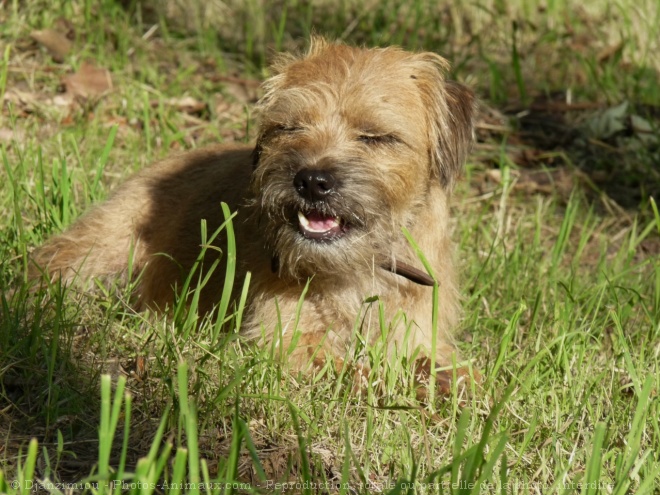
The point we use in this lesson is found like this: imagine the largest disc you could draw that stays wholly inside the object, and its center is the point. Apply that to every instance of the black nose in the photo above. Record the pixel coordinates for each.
(314, 185)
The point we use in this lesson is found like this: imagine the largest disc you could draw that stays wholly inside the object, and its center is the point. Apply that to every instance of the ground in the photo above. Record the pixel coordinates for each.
(558, 234)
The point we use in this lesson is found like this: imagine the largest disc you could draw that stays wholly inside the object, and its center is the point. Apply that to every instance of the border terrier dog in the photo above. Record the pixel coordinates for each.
(354, 145)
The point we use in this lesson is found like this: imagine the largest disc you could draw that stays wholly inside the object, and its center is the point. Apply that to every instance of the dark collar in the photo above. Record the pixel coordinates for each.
(397, 267)
(410, 272)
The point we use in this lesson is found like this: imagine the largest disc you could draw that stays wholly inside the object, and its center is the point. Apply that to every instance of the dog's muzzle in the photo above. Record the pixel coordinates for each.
(317, 222)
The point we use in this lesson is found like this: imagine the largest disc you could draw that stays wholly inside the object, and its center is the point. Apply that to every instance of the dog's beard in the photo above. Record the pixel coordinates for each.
(336, 237)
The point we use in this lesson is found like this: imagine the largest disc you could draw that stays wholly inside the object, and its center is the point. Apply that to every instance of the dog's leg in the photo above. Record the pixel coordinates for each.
(101, 243)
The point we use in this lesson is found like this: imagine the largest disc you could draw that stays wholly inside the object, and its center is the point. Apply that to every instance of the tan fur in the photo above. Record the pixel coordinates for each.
(315, 114)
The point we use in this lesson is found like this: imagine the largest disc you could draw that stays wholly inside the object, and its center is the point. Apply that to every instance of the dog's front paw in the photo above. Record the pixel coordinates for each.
(463, 379)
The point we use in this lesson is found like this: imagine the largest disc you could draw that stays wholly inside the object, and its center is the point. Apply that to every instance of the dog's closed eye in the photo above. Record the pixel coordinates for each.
(378, 139)
(284, 129)
(287, 128)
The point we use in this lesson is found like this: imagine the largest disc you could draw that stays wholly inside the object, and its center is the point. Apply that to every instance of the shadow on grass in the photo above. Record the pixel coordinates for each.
(617, 147)
(51, 356)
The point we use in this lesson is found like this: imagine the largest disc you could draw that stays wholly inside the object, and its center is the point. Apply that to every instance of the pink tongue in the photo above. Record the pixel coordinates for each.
(321, 222)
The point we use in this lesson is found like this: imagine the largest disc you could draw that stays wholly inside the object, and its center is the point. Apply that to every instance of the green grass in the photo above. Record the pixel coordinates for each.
(561, 284)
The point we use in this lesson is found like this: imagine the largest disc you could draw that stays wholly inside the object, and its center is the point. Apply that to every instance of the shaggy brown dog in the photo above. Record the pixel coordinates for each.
(354, 145)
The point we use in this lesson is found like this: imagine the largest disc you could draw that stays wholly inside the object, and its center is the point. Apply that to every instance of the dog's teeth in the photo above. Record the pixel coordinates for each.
(303, 220)
(318, 223)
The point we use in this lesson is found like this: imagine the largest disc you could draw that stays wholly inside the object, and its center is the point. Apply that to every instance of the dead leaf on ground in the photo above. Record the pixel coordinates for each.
(242, 90)
(607, 53)
(9, 135)
(88, 82)
(559, 180)
(606, 123)
(185, 104)
(228, 107)
(66, 27)
(25, 103)
(57, 44)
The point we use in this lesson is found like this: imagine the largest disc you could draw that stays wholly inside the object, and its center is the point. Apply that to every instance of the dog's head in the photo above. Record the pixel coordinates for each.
(350, 142)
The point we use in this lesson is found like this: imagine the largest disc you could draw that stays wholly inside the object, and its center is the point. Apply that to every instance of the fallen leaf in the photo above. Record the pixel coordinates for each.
(644, 130)
(609, 52)
(66, 27)
(25, 103)
(605, 124)
(56, 43)
(242, 90)
(227, 107)
(187, 104)
(88, 82)
(559, 180)
(9, 135)
(63, 100)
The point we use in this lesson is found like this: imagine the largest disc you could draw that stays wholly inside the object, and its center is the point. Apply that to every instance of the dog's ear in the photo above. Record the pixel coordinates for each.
(455, 131)
(451, 111)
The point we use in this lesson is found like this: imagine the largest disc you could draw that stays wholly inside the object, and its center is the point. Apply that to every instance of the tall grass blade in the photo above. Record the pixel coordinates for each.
(434, 309)
(110, 410)
(178, 471)
(626, 462)
(4, 71)
(302, 448)
(231, 470)
(592, 476)
(230, 261)
(25, 472)
(507, 338)
(188, 420)
(103, 160)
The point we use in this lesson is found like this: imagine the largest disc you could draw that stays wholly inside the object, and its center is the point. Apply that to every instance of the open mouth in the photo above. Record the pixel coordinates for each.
(320, 226)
